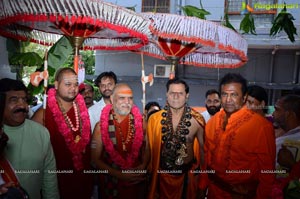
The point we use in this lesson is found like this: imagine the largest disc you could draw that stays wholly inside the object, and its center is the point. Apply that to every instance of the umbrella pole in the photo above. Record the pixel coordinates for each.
(45, 86)
(143, 83)
(76, 59)
(174, 66)
(76, 42)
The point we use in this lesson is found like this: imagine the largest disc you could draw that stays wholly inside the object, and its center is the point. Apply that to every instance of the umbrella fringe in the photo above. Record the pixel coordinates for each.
(120, 21)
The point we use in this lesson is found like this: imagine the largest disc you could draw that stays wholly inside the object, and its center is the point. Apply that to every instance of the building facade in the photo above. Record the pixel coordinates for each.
(273, 62)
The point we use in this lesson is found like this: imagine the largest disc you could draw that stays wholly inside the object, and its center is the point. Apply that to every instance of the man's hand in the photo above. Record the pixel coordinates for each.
(4, 187)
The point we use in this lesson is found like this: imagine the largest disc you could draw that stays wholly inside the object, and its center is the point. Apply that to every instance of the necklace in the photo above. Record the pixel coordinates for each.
(76, 146)
(131, 157)
(130, 133)
(67, 118)
(174, 143)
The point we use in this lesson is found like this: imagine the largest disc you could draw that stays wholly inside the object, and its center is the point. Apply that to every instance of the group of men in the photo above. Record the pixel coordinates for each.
(179, 154)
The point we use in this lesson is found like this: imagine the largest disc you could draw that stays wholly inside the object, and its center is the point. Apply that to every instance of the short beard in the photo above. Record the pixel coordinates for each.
(120, 112)
(106, 96)
(214, 110)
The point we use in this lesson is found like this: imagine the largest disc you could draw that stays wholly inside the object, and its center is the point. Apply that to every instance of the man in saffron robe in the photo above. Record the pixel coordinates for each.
(239, 146)
(118, 148)
(66, 117)
(175, 136)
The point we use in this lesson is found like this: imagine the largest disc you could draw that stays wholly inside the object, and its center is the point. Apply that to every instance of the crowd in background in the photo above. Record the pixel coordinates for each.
(81, 148)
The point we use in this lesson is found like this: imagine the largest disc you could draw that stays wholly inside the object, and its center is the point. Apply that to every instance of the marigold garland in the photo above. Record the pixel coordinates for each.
(75, 148)
(128, 162)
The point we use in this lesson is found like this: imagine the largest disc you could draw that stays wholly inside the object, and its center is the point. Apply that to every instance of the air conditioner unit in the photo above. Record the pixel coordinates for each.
(162, 70)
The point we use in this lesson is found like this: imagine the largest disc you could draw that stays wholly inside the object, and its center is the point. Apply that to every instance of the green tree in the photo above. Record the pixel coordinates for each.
(26, 57)
(284, 21)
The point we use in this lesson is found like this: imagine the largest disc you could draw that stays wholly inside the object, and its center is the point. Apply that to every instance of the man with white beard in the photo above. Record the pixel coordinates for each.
(119, 148)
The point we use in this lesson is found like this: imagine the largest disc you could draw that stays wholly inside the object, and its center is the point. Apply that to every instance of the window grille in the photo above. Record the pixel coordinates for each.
(264, 12)
(159, 6)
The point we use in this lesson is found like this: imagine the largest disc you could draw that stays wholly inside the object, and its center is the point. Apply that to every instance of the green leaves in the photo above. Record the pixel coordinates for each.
(227, 23)
(247, 24)
(284, 21)
(193, 11)
(131, 8)
(59, 54)
(26, 59)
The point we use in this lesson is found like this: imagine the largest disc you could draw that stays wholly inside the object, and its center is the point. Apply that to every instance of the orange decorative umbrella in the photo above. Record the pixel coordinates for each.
(193, 41)
(91, 24)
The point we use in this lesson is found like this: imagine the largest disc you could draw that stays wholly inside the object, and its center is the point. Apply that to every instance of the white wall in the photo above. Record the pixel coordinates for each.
(128, 3)
(4, 67)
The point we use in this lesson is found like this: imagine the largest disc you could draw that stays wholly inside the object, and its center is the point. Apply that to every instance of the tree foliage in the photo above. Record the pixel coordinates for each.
(247, 24)
(284, 21)
(61, 54)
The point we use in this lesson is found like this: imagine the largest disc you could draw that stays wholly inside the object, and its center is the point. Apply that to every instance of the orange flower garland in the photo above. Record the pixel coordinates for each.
(76, 147)
(124, 163)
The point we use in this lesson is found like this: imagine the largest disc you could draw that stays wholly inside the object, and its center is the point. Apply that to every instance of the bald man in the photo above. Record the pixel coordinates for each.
(119, 148)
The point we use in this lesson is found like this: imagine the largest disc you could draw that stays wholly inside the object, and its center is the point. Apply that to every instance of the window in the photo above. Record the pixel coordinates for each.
(160, 6)
(162, 70)
(264, 12)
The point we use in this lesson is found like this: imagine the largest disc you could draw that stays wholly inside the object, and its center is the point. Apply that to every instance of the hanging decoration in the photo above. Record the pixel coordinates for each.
(89, 25)
(37, 77)
(145, 79)
(193, 41)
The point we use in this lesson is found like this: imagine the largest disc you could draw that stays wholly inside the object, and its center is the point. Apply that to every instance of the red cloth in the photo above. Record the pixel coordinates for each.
(71, 185)
(293, 175)
(8, 173)
(111, 187)
(240, 154)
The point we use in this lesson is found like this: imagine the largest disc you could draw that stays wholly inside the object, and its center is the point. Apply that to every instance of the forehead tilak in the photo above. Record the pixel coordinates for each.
(124, 92)
(69, 79)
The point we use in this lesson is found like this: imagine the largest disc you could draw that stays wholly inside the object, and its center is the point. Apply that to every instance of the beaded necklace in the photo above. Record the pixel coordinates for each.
(67, 118)
(130, 133)
(174, 143)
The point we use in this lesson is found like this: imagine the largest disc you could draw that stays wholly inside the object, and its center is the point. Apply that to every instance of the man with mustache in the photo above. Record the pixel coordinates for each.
(29, 149)
(66, 117)
(119, 148)
(212, 104)
(9, 184)
(87, 91)
(239, 146)
(106, 82)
